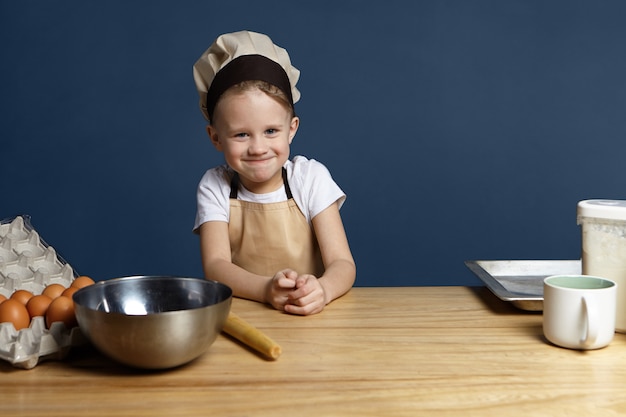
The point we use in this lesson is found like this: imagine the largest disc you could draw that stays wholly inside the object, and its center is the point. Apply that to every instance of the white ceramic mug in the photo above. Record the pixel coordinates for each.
(579, 311)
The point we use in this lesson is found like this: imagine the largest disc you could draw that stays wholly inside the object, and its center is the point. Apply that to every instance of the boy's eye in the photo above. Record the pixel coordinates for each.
(271, 131)
(241, 135)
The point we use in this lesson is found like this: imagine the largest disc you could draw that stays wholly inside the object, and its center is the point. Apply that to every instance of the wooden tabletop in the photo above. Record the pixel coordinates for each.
(419, 351)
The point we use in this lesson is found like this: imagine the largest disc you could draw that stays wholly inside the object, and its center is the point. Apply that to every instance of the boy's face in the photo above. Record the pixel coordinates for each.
(254, 132)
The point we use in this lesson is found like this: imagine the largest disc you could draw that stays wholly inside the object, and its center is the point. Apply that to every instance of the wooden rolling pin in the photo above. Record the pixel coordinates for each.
(251, 336)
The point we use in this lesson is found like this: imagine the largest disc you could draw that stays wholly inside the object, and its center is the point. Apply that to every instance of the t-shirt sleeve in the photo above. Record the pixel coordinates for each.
(315, 188)
(212, 197)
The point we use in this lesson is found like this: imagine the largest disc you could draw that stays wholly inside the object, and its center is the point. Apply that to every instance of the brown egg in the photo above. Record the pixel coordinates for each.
(82, 281)
(69, 291)
(61, 309)
(13, 311)
(53, 290)
(22, 296)
(38, 305)
(2, 298)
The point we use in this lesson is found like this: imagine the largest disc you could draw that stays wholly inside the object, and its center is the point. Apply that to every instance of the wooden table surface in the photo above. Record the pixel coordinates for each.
(419, 351)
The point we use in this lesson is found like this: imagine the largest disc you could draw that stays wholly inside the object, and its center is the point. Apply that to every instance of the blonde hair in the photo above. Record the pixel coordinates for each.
(271, 90)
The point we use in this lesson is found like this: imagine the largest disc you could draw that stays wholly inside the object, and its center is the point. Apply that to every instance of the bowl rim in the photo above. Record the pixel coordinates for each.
(117, 280)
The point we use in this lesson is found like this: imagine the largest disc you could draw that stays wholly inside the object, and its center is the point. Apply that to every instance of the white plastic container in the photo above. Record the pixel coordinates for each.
(603, 225)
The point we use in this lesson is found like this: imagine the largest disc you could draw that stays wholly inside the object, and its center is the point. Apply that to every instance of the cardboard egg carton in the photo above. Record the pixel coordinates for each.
(28, 262)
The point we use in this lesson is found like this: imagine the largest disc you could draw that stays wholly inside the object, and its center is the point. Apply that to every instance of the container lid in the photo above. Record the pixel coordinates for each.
(603, 209)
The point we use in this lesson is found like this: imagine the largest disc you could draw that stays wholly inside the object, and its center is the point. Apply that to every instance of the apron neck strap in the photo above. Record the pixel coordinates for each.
(234, 185)
(286, 183)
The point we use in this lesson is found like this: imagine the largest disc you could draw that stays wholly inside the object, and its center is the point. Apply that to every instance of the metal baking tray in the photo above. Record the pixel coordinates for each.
(521, 282)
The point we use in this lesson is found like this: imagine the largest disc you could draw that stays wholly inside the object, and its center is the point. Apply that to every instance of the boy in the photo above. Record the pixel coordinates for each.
(269, 226)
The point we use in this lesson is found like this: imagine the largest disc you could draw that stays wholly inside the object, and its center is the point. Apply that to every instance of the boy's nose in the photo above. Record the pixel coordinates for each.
(257, 145)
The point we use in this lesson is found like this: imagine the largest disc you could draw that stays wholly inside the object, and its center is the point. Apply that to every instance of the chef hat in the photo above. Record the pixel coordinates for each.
(242, 56)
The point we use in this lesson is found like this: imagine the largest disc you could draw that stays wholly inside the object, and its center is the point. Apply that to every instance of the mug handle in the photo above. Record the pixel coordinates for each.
(591, 328)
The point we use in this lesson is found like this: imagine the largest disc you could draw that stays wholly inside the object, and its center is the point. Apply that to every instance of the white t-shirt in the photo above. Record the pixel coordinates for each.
(311, 185)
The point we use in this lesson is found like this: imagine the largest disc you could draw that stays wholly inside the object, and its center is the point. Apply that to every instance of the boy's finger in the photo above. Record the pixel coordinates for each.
(286, 283)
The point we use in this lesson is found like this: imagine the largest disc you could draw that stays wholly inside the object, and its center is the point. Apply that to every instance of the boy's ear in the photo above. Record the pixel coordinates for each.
(293, 128)
(214, 137)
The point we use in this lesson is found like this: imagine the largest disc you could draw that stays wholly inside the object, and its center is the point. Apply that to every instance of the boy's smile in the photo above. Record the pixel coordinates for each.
(254, 132)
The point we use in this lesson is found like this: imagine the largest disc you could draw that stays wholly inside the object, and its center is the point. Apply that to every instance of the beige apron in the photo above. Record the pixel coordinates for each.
(267, 238)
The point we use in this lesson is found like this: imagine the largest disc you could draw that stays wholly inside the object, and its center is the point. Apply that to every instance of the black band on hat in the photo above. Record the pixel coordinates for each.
(246, 68)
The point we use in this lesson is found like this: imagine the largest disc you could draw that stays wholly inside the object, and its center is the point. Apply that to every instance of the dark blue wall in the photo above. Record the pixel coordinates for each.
(459, 129)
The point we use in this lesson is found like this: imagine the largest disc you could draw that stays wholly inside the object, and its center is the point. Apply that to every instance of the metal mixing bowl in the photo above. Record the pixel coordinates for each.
(153, 322)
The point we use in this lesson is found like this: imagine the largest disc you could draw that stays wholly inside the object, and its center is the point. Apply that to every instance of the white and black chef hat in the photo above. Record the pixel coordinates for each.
(242, 56)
